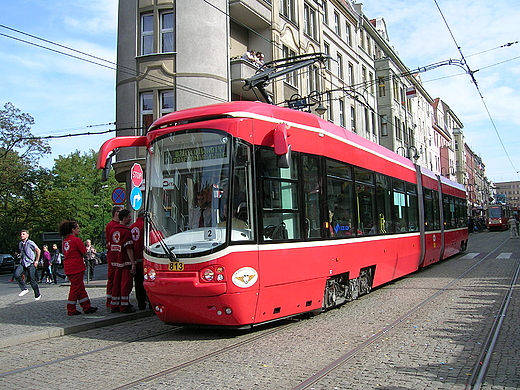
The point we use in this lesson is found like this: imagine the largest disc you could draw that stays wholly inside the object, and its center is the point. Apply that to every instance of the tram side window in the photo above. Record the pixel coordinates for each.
(461, 212)
(400, 209)
(428, 209)
(311, 193)
(280, 197)
(436, 211)
(449, 212)
(365, 201)
(413, 207)
(339, 199)
(383, 203)
(241, 201)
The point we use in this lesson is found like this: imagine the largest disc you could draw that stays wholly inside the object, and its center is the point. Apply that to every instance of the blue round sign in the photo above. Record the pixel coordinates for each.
(118, 196)
(136, 198)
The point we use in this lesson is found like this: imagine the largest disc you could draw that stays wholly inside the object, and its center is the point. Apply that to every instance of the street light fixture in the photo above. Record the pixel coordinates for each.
(410, 151)
(300, 103)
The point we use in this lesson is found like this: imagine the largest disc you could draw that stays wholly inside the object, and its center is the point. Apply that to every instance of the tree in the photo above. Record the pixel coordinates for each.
(19, 154)
(77, 193)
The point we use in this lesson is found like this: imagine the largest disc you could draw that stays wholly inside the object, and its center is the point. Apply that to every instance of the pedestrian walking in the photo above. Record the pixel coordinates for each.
(30, 254)
(122, 250)
(90, 259)
(55, 264)
(110, 270)
(74, 266)
(46, 266)
(512, 227)
(137, 231)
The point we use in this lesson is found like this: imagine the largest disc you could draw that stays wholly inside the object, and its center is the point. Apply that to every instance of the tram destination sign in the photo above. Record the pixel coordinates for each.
(195, 154)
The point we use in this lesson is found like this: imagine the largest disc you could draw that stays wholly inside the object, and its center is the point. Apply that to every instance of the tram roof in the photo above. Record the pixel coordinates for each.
(269, 112)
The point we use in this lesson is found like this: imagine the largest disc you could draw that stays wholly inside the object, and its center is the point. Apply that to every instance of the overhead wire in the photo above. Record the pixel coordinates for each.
(471, 73)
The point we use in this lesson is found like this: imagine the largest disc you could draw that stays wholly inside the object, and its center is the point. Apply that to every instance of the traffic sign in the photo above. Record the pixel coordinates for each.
(136, 174)
(118, 196)
(136, 198)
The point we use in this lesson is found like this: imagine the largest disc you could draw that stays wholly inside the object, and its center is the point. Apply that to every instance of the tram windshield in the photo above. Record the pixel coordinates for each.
(190, 202)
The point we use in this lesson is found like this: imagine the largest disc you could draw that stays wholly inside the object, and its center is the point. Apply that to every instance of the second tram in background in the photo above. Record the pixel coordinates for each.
(257, 212)
(498, 216)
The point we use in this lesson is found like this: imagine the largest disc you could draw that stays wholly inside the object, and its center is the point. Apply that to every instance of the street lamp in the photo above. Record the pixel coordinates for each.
(409, 152)
(297, 102)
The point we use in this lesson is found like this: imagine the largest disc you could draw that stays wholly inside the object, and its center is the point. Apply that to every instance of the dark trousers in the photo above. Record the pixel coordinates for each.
(31, 274)
(140, 292)
(54, 270)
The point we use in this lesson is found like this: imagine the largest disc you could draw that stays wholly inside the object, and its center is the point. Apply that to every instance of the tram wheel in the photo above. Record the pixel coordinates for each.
(365, 281)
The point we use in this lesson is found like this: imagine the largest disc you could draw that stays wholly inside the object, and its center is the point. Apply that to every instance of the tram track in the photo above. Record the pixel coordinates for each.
(90, 352)
(186, 363)
(480, 367)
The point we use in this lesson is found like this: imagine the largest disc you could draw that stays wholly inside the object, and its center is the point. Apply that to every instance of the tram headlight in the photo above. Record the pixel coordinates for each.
(149, 274)
(208, 275)
(214, 273)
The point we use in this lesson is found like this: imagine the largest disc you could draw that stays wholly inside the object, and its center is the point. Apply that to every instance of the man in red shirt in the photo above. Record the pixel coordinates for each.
(122, 249)
(110, 270)
(137, 230)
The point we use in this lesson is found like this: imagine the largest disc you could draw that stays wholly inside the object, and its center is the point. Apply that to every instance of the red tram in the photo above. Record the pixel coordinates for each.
(498, 217)
(257, 212)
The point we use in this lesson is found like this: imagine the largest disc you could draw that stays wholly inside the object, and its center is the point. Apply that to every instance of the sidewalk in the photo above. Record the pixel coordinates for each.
(22, 319)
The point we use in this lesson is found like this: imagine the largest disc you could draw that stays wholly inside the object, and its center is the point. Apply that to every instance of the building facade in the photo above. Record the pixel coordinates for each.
(174, 55)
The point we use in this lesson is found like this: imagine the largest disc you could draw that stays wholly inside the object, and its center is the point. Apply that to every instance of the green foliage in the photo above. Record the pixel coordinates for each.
(38, 199)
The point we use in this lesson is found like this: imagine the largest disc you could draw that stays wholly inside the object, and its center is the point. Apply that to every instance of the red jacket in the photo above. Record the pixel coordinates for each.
(73, 249)
(137, 230)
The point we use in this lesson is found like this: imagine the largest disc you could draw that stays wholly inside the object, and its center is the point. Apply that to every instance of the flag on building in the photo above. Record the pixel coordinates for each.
(411, 92)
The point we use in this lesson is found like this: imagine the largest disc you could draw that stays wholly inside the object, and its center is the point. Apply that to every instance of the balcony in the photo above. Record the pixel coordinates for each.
(242, 69)
(251, 13)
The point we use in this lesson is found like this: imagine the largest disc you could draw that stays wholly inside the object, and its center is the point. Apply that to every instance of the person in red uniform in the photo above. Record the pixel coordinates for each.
(137, 230)
(110, 270)
(122, 248)
(74, 267)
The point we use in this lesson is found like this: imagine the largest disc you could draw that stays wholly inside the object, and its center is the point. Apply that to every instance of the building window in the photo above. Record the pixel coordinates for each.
(309, 21)
(364, 77)
(371, 81)
(330, 114)
(340, 65)
(325, 13)
(147, 34)
(367, 121)
(353, 118)
(288, 9)
(342, 120)
(337, 27)
(397, 128)
(384, 126)
(167, 102)
(326, 48)
(348, 33)
(374, 125)
(382, 86)
(167, 41)
(351, 80)
(146, 111)
(290, 78)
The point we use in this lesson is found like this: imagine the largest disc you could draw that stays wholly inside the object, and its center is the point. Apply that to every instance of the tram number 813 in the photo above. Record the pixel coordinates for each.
(176, 266)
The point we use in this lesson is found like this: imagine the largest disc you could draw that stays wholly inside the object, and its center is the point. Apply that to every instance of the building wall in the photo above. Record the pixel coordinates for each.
(363, 85)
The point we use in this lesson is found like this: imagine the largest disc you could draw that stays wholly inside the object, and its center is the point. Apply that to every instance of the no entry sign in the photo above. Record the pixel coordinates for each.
(118, 196)
(137, 174)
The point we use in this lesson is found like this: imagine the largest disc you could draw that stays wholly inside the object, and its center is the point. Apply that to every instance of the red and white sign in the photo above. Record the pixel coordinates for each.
(136, 175)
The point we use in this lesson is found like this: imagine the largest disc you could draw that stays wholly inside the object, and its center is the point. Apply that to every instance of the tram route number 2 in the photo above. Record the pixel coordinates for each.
(176, 266)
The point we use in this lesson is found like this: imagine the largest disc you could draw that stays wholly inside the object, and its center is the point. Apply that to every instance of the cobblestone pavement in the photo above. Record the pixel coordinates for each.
(22, 319)
(436, 347)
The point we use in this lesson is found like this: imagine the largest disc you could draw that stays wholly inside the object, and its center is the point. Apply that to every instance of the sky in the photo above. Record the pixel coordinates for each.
(420, 35)
(65, 95)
